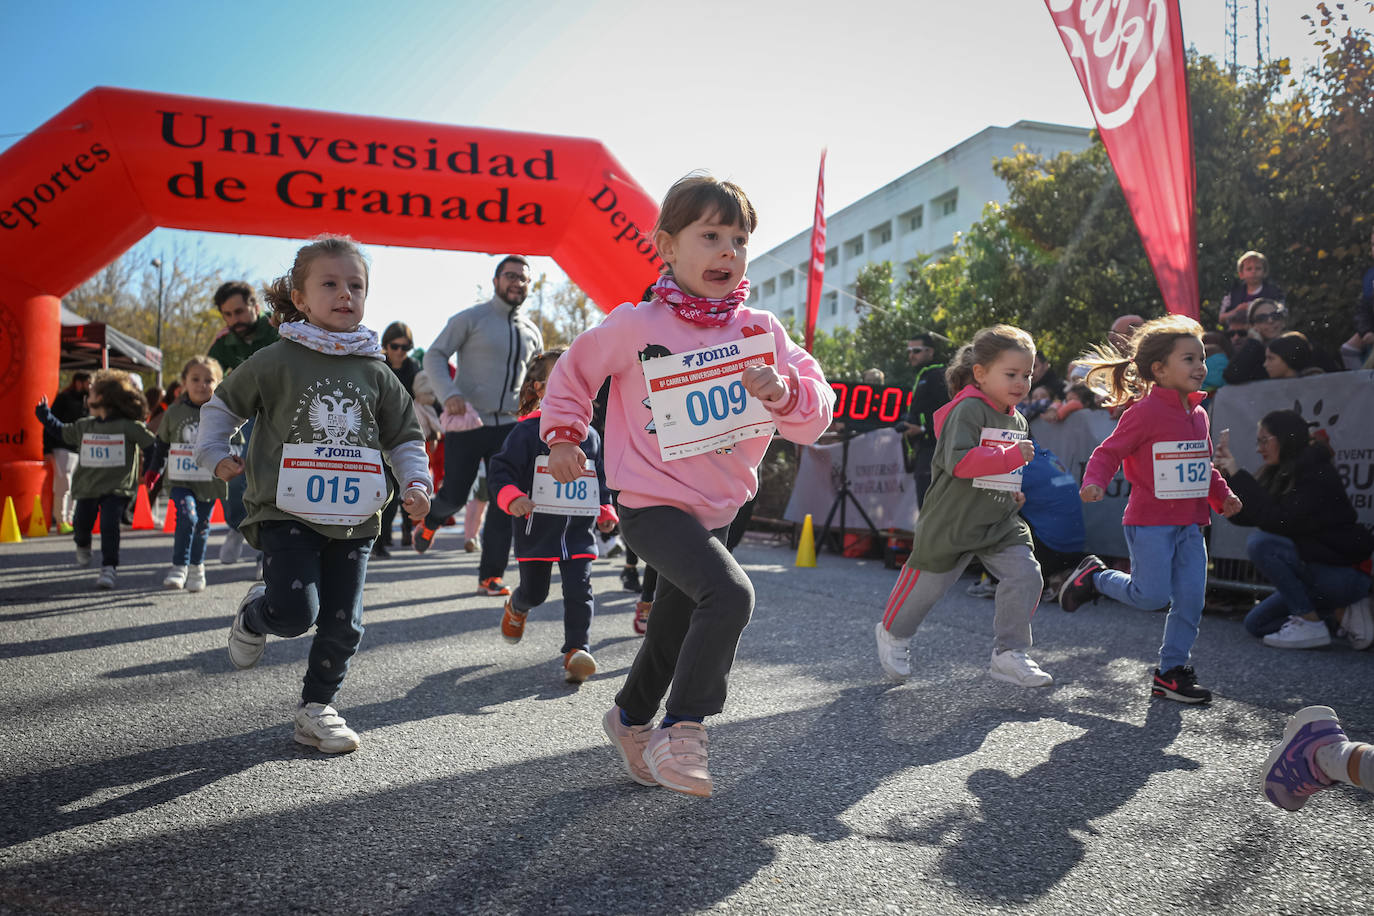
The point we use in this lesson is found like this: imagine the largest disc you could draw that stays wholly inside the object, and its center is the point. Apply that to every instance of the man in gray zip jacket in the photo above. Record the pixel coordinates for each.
(493, 344)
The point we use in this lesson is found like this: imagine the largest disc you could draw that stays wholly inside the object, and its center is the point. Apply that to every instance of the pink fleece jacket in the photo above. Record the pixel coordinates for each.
(711, 486)
(1159, 417)
(981, 460)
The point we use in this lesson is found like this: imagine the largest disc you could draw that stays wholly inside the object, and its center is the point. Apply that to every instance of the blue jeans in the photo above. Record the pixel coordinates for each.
(234, 510)
(535, 576)
(312, 581)
(193, 527)
(1301, 587)
(1180, 550)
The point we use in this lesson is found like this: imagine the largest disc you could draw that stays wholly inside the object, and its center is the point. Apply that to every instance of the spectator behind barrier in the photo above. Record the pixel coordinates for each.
(1290, 356)
(1309, 543)
(1252, 282)
(1268, 319)
(1054, 513)
(1358, 351)
(1217, 347)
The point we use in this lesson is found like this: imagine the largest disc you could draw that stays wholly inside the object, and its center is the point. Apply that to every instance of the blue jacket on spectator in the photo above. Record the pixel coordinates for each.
(1053, 508)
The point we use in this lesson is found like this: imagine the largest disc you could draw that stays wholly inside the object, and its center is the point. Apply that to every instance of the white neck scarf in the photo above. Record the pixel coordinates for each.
(359, 342)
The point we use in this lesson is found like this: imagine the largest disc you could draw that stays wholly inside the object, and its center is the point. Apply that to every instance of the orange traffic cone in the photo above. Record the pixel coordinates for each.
(143, 512)
(38, 525)
(169, 523)
(217, 513)
(9, 524)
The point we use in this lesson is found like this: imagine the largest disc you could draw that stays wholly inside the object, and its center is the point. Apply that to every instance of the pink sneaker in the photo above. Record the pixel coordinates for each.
(629, 741)
(676, 758)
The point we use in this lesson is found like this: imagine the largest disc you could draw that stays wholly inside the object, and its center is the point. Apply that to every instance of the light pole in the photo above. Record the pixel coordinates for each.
(157, 262)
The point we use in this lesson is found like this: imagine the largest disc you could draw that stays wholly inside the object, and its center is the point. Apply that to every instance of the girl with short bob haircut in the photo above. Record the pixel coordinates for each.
(1164, 442)
(982, 446)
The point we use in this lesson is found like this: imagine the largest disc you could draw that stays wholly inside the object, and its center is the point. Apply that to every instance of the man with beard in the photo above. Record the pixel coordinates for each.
(492, 344)
(246, 331)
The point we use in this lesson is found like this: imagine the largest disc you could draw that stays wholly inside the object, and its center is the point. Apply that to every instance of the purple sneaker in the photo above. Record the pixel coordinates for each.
(1291, 773)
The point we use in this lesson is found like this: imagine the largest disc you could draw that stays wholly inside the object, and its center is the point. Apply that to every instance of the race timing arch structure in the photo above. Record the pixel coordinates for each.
(90, 183)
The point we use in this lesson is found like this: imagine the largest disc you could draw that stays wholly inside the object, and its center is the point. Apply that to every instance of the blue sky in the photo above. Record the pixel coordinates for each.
(751, 91)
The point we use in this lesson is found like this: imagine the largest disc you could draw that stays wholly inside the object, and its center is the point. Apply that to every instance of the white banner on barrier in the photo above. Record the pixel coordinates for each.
(877, 479)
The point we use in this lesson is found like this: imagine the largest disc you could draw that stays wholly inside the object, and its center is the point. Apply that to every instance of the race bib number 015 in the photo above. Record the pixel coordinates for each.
(1011, 480)
(182, 465)
(102, 450)
(698, 398)
(581, 497)
(1182, 470)
(331, 484)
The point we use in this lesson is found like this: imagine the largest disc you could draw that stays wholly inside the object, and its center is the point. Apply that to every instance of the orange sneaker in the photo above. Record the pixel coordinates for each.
(579, 665)
(642, 609)
(492, 585)
(423, 537)
(513, 624)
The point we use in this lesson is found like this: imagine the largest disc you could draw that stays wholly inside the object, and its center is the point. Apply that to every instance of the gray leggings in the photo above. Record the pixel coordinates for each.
(1018, 594)
(702, 605)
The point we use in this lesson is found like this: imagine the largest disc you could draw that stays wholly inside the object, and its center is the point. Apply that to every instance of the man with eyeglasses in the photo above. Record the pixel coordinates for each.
(492, 344)
(928, 394)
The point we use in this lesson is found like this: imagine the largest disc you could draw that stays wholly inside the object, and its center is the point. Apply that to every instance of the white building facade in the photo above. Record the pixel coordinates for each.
(918, 213)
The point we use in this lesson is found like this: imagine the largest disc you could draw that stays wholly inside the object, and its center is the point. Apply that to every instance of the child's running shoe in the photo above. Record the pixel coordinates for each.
(641, 621)
(1179, 683)
(1291, 774)
(493, 586)
(83, 557)
(423, 537)
(64, 528)
(985, 587)
(578, 665)
(321, 726)
(1078, 589)
(245, 646)
(107, 578)
(513, 624)
(1015, 667)
(175, 578)
(195, 578)
(629, 577)
(1358, 624)
(893, 654)
(676, 758)
(472, 545)
(629, 742)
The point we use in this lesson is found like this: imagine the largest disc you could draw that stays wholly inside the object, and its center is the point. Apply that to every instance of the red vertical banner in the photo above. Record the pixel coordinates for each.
(816, 274)
(1129, 58)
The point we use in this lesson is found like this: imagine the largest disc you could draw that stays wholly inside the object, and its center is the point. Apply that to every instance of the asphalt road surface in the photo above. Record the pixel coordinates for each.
(140, 773)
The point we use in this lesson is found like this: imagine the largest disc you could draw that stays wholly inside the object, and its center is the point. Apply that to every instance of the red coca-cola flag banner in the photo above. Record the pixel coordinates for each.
(1129, 58)
(816, 274)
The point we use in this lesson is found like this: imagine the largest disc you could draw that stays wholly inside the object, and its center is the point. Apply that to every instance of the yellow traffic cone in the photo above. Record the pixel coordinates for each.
(38, 525)
(9, 524)
(806, 547)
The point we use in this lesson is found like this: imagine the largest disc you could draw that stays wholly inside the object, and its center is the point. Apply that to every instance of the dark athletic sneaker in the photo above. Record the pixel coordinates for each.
(423, 537)
(1179, 683)
(1078, 588)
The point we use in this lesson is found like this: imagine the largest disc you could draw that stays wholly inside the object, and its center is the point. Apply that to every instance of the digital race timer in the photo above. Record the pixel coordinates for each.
(870, 406)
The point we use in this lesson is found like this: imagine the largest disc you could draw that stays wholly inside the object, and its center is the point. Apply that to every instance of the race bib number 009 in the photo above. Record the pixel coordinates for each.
(102, 450)
(331, 484)
(182, 465)
(1011, 480)
(581, 497)
(1182, 470)
(698, 398)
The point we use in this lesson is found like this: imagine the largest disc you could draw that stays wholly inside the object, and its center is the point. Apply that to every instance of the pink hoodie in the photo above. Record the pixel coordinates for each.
(710, 486)
(981, 460)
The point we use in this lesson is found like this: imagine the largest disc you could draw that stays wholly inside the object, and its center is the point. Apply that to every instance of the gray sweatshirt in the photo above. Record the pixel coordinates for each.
(494, 344)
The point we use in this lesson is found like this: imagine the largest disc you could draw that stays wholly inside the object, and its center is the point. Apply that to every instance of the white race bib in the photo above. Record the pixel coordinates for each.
(181, 465)
(331, 484)
(698, 399)
(581, 497)
(1182, 470)
(1011, 480)
(102, 450)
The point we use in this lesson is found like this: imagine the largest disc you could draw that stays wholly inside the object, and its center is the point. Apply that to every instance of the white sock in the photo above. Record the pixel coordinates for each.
(1334, 760)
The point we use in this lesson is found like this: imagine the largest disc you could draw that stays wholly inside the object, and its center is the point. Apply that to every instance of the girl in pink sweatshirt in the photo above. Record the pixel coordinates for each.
(699, 382)
(1164, 442)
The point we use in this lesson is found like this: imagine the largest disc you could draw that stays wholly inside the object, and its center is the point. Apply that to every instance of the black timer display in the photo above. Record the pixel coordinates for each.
(870, 405)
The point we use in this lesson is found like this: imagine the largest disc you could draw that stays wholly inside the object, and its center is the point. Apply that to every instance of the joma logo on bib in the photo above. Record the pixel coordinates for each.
(326, 451)
(710, 356)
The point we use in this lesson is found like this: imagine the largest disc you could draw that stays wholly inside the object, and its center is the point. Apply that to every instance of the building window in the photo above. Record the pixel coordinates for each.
(832, 303)
(880, 235)
(946, 204)
(854, 247)
(770, 286)
(832, 257)
(787, 279)
(912, 220)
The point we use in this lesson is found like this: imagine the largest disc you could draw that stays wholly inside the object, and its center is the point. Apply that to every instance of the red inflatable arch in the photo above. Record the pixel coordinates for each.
(116, 164)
